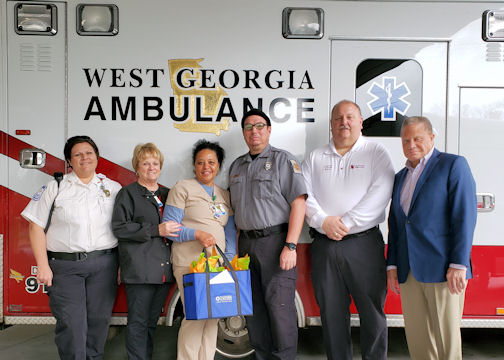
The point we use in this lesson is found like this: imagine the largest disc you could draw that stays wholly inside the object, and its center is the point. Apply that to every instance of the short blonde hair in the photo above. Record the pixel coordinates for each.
(144, 150)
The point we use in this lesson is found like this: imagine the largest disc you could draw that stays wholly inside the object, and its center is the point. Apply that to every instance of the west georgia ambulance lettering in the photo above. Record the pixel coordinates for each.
(199, 101)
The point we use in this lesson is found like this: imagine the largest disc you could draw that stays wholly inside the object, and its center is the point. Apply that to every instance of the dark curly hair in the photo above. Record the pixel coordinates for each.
(205, 144)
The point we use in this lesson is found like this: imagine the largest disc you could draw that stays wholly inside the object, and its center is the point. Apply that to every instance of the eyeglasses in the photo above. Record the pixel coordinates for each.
(258, 126)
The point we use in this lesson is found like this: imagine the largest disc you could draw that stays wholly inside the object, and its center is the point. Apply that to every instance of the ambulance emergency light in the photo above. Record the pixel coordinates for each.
(303, 23)
(36, 19)
(493, 25)
(97, 19)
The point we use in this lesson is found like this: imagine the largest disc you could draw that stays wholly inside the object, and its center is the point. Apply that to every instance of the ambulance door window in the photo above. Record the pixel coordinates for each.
(387, 90)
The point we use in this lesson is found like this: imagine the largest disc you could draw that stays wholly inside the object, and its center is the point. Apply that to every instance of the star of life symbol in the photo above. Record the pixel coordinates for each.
(388, 99)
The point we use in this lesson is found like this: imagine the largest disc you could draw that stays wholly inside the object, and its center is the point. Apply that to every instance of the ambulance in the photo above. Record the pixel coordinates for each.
(172, 72)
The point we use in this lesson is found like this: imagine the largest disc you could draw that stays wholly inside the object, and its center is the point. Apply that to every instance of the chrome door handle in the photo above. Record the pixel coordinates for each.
(485, 201)
(32, 158)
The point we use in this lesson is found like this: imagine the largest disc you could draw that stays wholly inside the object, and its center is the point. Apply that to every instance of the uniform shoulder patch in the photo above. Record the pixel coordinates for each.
(295, 166)
(38, 194)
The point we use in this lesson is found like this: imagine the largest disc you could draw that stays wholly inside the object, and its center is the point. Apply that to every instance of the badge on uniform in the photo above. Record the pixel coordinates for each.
(105, 191)
(268, 165)
(218, 210)
(159, 203)
(102, 186)
(295, 167)
(38, 194)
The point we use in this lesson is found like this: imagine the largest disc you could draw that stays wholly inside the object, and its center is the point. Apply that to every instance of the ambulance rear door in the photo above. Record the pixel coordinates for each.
(36, 84)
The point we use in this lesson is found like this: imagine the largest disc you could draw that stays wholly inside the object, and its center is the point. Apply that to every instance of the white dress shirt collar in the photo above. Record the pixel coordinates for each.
(356, 146)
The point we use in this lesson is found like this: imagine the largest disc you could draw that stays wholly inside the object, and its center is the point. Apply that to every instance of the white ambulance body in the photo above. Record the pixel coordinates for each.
(173, 72)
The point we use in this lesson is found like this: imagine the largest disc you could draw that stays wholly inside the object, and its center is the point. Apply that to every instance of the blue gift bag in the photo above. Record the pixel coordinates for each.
(205, 299)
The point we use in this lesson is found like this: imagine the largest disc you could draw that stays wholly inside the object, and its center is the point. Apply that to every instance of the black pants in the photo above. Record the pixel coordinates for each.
(145, 302)
(273, 327)
(354, 267)
(81, 299)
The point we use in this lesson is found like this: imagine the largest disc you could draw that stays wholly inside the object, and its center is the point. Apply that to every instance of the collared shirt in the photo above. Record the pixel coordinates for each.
(356, 186)
(411, 180)
(263, 189)
(81, 220)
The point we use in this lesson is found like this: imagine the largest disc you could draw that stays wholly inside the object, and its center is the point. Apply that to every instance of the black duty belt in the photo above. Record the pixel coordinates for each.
(255, 234)
(79, 256)
(314, 233)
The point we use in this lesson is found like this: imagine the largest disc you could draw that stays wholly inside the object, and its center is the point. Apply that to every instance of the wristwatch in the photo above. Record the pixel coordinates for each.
(290, 245)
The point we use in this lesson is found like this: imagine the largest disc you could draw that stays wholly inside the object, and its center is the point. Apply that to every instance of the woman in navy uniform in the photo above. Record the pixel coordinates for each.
(144, 255)
(77, 257)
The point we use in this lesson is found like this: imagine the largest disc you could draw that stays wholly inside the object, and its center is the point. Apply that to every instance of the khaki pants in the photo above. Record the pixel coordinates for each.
(432, 320)
(197, 339)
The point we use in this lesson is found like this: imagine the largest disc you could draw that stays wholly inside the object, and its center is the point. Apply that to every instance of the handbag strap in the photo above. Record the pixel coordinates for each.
(208, 297)
(58, 176)
(233, 274)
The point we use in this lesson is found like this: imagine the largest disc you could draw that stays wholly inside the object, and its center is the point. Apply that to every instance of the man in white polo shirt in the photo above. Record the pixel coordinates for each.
(349, 183)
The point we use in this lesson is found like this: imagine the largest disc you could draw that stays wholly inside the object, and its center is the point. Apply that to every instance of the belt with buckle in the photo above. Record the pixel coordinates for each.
(79, 256)
(255, 234)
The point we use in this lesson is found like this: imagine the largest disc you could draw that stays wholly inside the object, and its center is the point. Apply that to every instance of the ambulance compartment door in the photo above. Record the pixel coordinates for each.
(481, 129)
(36, 113)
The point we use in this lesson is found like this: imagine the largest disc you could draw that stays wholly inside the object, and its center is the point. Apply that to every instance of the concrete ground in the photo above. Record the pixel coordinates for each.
(36, 342)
